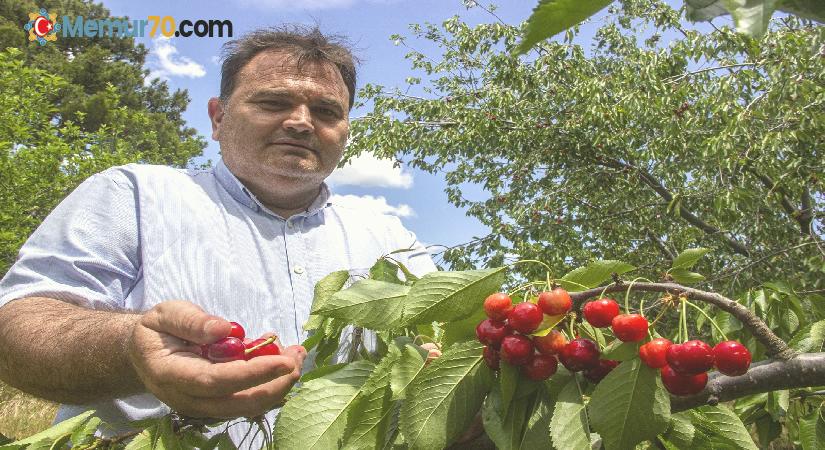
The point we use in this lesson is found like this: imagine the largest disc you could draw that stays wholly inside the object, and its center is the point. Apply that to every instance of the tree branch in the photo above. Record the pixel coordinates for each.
(805, 370)
(661, 245)
(684, 213)
(776, 347)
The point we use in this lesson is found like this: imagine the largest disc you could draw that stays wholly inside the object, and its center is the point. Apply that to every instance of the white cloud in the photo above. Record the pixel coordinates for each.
(377, 204)
(164, 62)
(367, 170)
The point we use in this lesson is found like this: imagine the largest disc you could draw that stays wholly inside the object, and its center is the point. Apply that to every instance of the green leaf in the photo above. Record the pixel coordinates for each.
(593, 274)
(321, 371)
(368, 303)
(84, 434)
(464, 329)
(536, 434)
(718, 427)
(680, 433)
(505, 431)
(751, 16)
(621, 351)
(809, 338)
(689, 257)
(385, 270)
(146, 439)
(443, 399)
(683, 276)
(630, 391)
(370, 418)
(51, 434)
(553, 16)
(569, 428)
(324, 289)
(168, 440)
(316, 417)
(508, 380)
(778, 404)
(410, 362)
(449, 296)
(809, 9)
(812, 431)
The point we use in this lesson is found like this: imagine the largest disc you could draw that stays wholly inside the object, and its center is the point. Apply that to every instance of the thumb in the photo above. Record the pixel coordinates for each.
(186, 321)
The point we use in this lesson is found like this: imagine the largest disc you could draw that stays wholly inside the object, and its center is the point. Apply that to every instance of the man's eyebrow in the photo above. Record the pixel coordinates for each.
(281, 93)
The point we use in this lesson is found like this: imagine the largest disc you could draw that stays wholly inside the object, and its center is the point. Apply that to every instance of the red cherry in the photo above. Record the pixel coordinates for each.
(225, 350)
(491, 332)
(270, 349)
(516, 349)
(653, 353)
(630, 327)
(491, 357)
(595, 374)
(600, 313)
(690, 358)
(551, 344)
(498, 306)
(236, 331)
(540, 367)
(579, 354)
(678, 384)
(555, 302)
(525, 317)
(732, 358)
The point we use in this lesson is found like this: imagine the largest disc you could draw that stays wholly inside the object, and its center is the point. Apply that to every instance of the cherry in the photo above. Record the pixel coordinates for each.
(491, 332)
(225, 350)
(630, 327)
(551, 344)
(732, 358)
(491, 357)
(579, 354)
(498, 306)
(600, 313)
(525, 317)
(653, 353)
(236, 331)
(678, 384)
(265, 350)
(555, 302)
(516, 349)
(540, 367)
(690, 358)
(595, 374)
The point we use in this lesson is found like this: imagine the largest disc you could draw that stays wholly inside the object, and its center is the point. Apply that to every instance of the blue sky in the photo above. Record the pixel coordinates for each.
(192, 64)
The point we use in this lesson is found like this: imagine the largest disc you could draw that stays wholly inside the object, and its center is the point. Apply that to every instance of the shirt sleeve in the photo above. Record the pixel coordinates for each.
(86, 251)
(417, 259)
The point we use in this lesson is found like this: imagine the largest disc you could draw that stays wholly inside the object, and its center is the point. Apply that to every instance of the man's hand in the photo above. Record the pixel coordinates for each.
(164, 349)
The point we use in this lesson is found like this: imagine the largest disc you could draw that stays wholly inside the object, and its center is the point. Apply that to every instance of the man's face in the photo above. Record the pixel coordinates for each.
(283, 128)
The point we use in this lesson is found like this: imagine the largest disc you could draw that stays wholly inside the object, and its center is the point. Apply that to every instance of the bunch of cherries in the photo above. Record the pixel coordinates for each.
(237, 346)
(684, 366)
(506, 334)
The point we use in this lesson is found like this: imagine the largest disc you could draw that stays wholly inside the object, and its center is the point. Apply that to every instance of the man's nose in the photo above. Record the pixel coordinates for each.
(299, 120)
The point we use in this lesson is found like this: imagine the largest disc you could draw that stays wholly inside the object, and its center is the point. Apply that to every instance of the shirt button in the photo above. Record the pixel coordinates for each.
(298, 269)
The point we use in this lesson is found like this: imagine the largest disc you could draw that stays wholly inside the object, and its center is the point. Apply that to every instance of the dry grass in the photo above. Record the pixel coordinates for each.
(22, 415)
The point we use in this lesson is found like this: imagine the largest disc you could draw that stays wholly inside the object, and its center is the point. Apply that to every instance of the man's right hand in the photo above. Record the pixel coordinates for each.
(165, 351)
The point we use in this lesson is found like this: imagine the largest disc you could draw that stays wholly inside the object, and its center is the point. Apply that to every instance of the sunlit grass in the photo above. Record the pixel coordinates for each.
(22, 415)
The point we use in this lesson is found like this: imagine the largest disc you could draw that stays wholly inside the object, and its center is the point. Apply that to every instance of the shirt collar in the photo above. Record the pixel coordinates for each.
(241, 194)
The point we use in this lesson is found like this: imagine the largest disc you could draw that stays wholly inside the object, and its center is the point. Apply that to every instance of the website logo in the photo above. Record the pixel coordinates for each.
(42, 26)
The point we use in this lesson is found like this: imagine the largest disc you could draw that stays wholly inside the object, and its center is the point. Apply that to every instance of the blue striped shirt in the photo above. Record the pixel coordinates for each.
(133, 236)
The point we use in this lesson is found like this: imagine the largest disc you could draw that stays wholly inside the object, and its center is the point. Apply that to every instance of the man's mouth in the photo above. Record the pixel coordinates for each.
(296, 144)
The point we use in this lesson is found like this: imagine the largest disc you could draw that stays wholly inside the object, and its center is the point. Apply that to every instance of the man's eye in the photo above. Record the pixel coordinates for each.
(329, 112)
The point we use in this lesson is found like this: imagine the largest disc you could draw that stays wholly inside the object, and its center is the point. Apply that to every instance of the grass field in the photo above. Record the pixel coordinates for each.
(22, 415)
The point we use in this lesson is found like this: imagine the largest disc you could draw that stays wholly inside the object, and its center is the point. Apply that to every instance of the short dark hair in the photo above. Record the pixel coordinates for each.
(303, 42)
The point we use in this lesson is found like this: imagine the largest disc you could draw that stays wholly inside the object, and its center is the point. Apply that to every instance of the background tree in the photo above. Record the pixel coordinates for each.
(634, 149)
(69, 109)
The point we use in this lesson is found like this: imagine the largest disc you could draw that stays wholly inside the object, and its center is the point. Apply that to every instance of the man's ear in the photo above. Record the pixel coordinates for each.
(216, 110)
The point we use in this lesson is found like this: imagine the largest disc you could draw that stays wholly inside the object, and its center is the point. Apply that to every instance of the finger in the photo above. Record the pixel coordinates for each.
(429, 346)
(298, 352)
(186, 321)
(198, 377)
(256, 400)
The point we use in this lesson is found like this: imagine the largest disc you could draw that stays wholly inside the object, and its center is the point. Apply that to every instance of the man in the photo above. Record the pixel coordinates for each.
(111, 295)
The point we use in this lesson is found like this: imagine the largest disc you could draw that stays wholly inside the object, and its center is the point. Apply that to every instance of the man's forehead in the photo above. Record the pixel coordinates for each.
(274, 63)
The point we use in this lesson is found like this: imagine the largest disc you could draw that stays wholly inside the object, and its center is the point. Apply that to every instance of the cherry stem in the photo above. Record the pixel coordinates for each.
(683, 319)
(713, 322)
(524, 286)
(268, 341)
(532, 261)
(627, 295)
